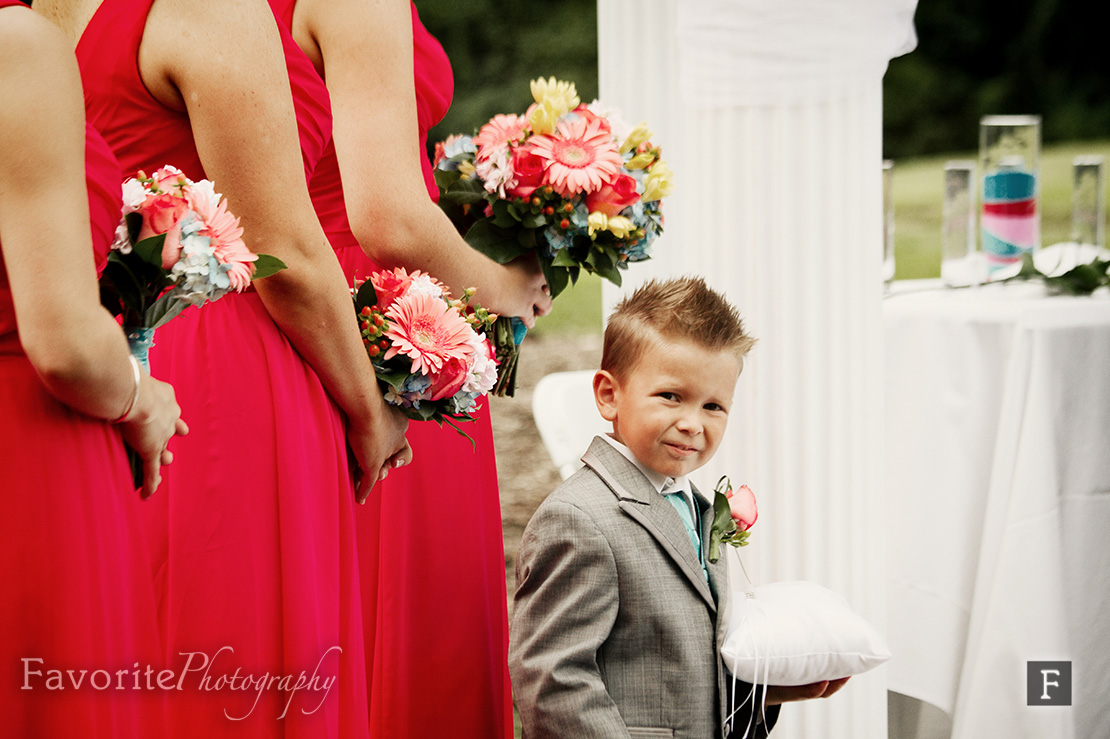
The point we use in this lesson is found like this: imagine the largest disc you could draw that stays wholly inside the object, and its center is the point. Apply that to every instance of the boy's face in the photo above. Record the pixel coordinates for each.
(671, 408)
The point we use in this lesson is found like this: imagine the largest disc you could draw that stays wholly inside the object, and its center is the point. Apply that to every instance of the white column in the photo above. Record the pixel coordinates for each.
(779, 205)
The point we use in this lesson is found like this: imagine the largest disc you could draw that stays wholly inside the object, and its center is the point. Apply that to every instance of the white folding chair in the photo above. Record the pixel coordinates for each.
(567, 418)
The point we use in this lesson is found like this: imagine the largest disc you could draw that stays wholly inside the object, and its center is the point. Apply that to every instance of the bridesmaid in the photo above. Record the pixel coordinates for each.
(254, 553)
(385, 96)
(75, 577)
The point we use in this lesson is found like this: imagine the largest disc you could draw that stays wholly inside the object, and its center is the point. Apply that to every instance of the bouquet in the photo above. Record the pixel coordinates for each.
(176, 245)
(570, 182)
(430, 353)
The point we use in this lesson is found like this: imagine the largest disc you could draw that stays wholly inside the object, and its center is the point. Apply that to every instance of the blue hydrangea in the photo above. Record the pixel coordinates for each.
(462, 402)
(456, 150)
(198, 275)
(412, 391)
(554, 239)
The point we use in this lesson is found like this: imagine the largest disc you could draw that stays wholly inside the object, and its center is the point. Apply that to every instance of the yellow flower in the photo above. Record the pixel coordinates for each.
(560, 97)
(597, 222)
(466, 169)
(619, 226)
(542, 119)
(640, 161)
(639, 135)
(659, 183)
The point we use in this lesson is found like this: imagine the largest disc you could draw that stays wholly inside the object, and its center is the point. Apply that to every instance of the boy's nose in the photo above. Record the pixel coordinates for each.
(689, 423)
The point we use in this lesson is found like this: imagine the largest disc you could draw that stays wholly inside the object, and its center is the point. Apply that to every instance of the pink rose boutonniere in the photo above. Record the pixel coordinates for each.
(734, 513)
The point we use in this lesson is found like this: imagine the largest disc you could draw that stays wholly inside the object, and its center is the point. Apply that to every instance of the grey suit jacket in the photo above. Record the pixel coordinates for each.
(615, 629)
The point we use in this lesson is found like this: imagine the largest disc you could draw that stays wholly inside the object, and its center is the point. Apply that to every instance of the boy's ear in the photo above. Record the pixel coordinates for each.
(606, 389)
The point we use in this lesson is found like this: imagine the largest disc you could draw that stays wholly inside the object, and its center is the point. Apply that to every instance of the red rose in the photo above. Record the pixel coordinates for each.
(390, 284)
(528, 169)
(449, 379)
(611, 199)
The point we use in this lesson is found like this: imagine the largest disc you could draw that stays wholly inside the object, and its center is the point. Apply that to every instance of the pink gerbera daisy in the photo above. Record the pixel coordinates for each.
(426, 330)
(581, 156)
(224, 233)
(499, 133)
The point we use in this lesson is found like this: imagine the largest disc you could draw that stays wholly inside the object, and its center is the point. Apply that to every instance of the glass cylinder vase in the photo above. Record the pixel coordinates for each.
(960, 263)
(1009, 160)
(1087, 209)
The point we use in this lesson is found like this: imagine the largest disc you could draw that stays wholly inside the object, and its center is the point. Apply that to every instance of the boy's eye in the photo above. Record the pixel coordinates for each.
(668, 396)
(714, 407)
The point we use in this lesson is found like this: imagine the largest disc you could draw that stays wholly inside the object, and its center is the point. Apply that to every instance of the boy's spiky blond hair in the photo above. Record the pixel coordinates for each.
(682, 308)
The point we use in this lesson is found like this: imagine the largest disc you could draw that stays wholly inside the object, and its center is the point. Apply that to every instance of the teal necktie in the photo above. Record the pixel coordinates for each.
(683, 505)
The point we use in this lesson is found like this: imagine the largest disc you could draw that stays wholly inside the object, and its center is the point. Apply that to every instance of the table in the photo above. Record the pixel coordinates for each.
(998, 478)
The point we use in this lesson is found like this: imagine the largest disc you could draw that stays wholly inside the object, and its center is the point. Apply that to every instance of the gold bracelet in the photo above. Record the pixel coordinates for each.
(134, 398)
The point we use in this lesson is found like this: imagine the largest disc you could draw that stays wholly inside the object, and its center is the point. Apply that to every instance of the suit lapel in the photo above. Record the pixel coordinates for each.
(640, 501)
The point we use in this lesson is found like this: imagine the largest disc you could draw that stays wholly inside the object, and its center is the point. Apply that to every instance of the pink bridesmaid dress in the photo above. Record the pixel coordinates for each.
(252, 538)
(435, 614)
(75, 577)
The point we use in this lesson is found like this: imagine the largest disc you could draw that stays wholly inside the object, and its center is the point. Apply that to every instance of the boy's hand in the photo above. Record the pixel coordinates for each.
(777, 694)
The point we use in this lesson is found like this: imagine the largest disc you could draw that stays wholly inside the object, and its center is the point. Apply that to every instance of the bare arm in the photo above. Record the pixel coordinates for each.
(370, 79)
(224, 62)
(72, 342)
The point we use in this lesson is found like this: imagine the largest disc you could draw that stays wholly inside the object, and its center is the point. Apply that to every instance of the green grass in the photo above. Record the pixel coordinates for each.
(918, 200)
(919, 197)
(577, 310)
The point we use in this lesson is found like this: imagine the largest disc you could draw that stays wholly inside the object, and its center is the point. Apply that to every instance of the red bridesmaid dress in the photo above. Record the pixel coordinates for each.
(75, 579)
(436, 620)
(252, 538)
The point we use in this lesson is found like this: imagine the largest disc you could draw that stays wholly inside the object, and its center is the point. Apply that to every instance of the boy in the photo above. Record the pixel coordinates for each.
(616, 621)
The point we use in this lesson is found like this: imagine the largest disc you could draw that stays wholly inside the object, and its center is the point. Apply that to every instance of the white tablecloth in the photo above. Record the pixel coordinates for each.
(998, 477)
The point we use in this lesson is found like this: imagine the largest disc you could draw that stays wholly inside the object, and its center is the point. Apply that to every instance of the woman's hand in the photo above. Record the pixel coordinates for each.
(155, 419)
(525, 292)
(379, 445)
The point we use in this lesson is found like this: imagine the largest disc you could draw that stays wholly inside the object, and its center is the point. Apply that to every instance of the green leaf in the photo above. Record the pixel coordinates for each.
(127, 285)
(564, 259)
(366, 297)
(164, 309)
(150, 249)
(463, 194)
(610, 273)
(534, 220)
(267, 265)
(451, 421)
(394, 380)
(446, 177)
(502, 217)
(498, 244)
(425, 411)
(722, 526)
(134, 225)
(557, 277)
